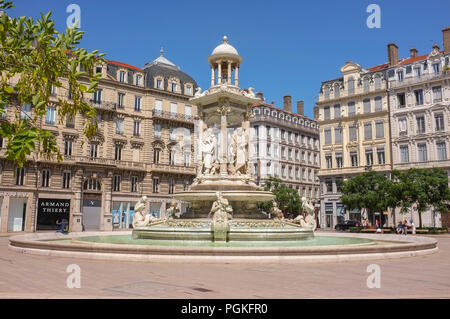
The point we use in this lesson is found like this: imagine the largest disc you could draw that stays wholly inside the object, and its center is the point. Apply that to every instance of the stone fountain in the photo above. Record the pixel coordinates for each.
(224, 197)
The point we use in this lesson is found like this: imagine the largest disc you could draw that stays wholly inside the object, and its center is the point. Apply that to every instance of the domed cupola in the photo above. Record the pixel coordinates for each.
(225, 59)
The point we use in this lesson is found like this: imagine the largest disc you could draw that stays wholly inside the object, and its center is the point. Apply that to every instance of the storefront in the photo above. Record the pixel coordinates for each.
(51, 210)
(17, 214)
(340, 213)
(329, 215)
(122, 214)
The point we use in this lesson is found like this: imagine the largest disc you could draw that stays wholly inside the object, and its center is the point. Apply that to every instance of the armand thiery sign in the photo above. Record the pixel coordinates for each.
(51, 210)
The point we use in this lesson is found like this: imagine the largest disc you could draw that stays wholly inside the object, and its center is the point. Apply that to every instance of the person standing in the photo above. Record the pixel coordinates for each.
(413, 227)
(405, 227)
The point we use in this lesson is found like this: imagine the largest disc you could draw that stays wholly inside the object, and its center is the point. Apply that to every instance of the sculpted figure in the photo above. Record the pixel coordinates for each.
(208, 149)
(198, 92)
(308, 222)
(141, 219)
(275, 211)
(239, 146)
(222, 210)
(173, 210)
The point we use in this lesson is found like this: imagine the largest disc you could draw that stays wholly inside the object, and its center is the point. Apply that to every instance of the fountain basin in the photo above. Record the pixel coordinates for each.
(240, 230)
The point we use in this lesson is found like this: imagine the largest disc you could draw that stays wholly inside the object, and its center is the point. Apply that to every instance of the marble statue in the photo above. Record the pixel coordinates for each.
(239, 147)
(208, 149)
(198, 92)
(221, 210)
(139, 217)
(308, 221)
(275, 212)
(173, 210)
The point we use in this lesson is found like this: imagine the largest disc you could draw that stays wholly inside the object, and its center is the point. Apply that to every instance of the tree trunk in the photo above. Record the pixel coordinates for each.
(420, 219)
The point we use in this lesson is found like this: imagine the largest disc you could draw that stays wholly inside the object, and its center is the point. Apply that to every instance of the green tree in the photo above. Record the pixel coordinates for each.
(287, 198)
(35, 56)
(422, 188)
(370, 190)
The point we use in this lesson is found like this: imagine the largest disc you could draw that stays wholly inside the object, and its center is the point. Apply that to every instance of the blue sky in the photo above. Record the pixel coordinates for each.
(288, 47)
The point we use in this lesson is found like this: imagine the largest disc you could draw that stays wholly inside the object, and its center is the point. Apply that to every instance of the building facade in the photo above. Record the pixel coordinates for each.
(143, 146)
(285, 145)
(353, 116)
(419, 97)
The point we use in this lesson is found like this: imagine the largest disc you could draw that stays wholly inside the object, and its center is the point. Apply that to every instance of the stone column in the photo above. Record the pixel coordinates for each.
(76, 218)
(223, 132)
(106, 205)
(4, 211)
(219, 74)
(236, 75)
(229, 73)
(212, 76)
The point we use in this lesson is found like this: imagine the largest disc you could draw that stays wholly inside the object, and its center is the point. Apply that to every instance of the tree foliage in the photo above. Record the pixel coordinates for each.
(422, 189)
(35, 56)
(287, 198)
(370, 190)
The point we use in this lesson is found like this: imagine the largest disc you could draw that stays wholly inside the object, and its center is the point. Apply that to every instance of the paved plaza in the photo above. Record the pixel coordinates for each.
(29, 276)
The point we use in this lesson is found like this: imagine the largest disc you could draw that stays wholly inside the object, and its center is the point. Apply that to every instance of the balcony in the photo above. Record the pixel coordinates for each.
(288, 124)
(102, 105)
(419, 79)
(176, 169)
(104, 162)
(173, 116)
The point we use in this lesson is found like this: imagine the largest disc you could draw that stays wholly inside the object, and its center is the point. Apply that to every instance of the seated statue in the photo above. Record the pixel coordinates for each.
(308, 221)
(173, 211)
(140, 219)
(275, 212)
(222, 213)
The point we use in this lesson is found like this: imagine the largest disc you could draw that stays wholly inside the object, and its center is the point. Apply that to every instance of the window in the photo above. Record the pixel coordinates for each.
(354, 158)
(282, 133)
(283, 151)
(173, 109)
(53, 90)
(188, 90)
(401, 100)
(327, 92)
(326, 112)
(158, 106)
(68, 147)
(366, 104)
(366, 84)
(297, 173)
(118, 152)
(422, 152)
(297, 155)
(420, 120)
(404, 154)
(329, 185)
(70, 121)
(137, 103)
(155, 185)
(97, 97)
(400, 76)
(338, 135)
(119, 126)
(353, 133)
(329, 160)
(92, 184)
(268, 132)
(337, 91)
(116, 183)
(380, 155)
(45, 177)
(268, 149)
(138, 79)
(174, 86)
(402, 126)
(418, 72)
(136, 128)
(377, 82)
(172, 157)
(20, 176)
(171, 186)
(378, 104)
(303, 155)
(156, 152)
(66, 180)
(436, 68)
(441, 151)
(187, 159)
(369, 157)
(120, 99)
(50, 115)
(339, 161)
(290, 136)
(159, 83)
(25, 112)
(437, 94)
(368, 131)
(379, 127)
(418, 94)
(327, 133)
(94, 150)
(439, 121)
(122, 76)
(134, 184)
(290, 172)
(337, 111)
(187, 110)
(351, 85)
(351, 108)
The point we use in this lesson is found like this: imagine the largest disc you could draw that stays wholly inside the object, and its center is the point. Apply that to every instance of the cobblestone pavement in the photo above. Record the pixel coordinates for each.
(28, 276)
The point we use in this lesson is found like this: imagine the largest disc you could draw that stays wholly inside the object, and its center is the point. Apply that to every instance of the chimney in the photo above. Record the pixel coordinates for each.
(260, 96)
(392, 54)
(413, 52)
(446, 37)
(287, 106)
(316, 113)
(300, 107)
